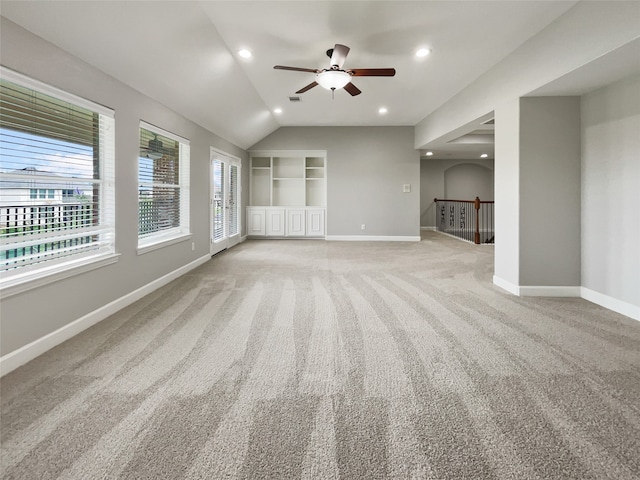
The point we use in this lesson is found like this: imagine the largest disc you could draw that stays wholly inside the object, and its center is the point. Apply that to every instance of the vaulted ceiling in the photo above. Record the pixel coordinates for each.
(184, 55)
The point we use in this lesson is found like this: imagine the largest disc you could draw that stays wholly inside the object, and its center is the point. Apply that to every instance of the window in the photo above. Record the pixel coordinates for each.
(67, 195)
(53, 142)
(163, 188)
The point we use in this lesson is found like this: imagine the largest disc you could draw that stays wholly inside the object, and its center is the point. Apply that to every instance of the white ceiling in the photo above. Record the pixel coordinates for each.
(184, 54)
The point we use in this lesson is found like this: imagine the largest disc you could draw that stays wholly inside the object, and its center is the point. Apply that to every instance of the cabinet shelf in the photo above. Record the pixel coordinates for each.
(311, 162)
(288, 178)
(287, 194)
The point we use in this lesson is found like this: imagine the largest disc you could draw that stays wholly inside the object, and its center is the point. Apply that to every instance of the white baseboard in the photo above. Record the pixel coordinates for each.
(536, 291)
(22, 355)
(461, 239)
(549, 291)
(505, 285)
(372, 238)
(432, 229)
(619, 306)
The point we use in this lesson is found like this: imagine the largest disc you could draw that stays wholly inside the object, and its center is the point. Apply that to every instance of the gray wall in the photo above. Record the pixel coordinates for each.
(35, 313)
(537, 192)
(611, 191)
(366, 169)
(468, 181)
(550, 191)
(455, 179)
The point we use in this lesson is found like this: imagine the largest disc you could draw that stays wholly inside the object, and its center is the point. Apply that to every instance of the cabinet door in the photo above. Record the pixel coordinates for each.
(315, 222)
(275, 222)
(295, 222)
(255, 221)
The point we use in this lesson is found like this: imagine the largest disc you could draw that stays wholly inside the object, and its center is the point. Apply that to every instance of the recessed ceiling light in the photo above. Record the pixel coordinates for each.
(382, 110)
(428, 154)
(277, 110)
(484, 155)
(423, 52)
(244, 53)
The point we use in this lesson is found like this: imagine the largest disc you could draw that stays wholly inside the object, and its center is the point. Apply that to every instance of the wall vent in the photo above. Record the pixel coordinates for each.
(295, 99)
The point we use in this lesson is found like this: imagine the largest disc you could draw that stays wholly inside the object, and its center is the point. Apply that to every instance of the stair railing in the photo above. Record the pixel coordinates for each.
(470, 220)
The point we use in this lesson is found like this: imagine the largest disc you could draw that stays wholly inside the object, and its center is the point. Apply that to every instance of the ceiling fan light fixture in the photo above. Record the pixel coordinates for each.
(332, 79)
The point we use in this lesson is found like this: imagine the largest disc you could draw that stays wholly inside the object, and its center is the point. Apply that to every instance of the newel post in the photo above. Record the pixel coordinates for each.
(477, 207)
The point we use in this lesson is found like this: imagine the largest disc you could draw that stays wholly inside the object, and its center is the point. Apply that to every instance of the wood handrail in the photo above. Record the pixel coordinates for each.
(465, 201)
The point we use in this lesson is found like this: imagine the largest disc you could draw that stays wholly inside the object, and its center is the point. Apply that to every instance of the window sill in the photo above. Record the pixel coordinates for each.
(14, 285)
(156, 243)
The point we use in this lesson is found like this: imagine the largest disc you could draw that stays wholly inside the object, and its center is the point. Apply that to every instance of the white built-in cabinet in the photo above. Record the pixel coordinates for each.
(287, 194)
(275, 221)
(256, 222)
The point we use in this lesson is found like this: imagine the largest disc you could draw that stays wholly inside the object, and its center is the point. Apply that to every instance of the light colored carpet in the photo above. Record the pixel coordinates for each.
(325, 360)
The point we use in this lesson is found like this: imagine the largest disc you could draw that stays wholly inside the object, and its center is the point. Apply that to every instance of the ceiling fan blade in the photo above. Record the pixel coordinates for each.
(308, 87)
(339, 55)
(297, 69)
(352, 89)
(373, 72)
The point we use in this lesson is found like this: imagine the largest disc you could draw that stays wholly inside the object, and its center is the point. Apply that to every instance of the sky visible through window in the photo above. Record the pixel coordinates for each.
(145, 166)
(20, 150)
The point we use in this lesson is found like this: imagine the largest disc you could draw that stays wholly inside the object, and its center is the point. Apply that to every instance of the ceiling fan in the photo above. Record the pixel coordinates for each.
(154, 150)
(335, 77)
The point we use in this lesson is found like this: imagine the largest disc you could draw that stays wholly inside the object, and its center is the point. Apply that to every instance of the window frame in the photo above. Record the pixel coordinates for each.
(31, 276)
(181, 233)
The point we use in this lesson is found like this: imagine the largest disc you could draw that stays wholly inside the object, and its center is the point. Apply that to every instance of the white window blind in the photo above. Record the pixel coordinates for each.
(56, 185)
(163, 186)
(218, 201)
(234, 227)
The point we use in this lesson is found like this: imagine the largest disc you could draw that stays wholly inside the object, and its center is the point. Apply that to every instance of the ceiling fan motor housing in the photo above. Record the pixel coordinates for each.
(155, 145)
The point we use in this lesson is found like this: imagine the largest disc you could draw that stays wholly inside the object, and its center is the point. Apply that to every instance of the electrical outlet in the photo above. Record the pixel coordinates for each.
(406, 188)
(193, 246)
(362, 227)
